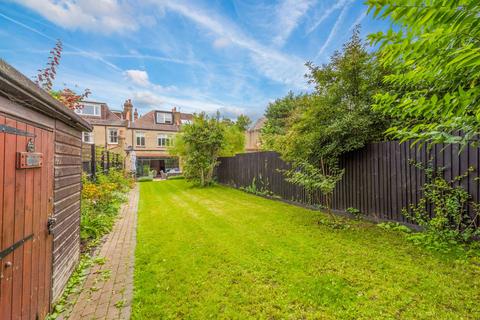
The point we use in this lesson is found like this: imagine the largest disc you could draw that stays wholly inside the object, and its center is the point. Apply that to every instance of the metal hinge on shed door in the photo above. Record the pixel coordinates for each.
(12, 130)
(52, 221)
(14, 246)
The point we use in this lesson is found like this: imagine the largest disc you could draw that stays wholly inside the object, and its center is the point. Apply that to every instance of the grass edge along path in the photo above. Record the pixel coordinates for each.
(222, 253)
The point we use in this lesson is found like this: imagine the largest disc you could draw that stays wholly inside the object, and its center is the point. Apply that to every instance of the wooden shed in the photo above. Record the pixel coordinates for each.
(40, 184)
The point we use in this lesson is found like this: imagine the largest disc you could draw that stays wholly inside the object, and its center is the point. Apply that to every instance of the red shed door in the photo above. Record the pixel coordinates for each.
(26, 202)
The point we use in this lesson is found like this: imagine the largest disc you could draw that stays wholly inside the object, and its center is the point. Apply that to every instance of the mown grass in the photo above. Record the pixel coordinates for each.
(222, 253)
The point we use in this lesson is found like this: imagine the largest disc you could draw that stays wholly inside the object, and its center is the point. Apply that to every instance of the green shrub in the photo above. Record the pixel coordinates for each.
(180, 177)
(143, 179)
(261, 190)
(450, 224)
(146, 170)
(394, 226)
(101, 200)
(356, 213)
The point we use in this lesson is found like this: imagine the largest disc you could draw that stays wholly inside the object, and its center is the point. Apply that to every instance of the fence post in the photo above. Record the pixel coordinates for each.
(103, 161)
(108, 161)
(93, 162)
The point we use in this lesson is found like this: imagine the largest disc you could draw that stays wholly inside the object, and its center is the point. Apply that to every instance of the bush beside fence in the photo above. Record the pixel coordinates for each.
(379, 179)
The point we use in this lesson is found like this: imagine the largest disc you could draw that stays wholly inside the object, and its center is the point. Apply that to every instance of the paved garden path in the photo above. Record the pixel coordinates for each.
(108, 290)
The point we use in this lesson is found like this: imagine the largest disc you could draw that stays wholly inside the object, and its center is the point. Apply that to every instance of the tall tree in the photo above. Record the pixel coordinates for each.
(200, 143)
(433, 49)
(243, 122)
(314, 130)
(337, 117)
(277, 115)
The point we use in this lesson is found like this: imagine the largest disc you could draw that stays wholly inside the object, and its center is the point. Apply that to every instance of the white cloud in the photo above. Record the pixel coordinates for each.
(221, 43)
(289, 13)
(103, 16)
(359, 20)
(138, 77)
(272, 63)
(78, 51)
(149, 100)
(327, 12)
(334, 31)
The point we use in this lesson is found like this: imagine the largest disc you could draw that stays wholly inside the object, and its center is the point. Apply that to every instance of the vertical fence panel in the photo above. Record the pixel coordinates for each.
(380, 180)
(95, 158)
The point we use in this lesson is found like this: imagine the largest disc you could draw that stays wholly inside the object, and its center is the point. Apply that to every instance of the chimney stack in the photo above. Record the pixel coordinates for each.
(135, 115)
(176, 116)
(127, 110)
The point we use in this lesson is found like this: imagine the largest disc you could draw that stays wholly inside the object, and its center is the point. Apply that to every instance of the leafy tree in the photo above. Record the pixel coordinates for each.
(433, 49)
(70, 98)
(277, 115)
(243, 122)
(315, 179)
(335, 119)
(234, 141)
(201, 143)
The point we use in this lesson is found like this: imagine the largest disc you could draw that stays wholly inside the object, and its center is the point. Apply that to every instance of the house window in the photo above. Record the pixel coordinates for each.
(87, 137)
(164, 141)
(112, 136)
(164, 117)
(89, 110)
(186, 121)
(140, 139)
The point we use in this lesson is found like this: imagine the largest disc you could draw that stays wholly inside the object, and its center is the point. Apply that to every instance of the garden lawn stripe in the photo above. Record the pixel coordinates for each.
(222, 253)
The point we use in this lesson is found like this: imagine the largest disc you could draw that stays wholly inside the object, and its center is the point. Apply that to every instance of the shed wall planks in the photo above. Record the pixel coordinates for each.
(67, 186)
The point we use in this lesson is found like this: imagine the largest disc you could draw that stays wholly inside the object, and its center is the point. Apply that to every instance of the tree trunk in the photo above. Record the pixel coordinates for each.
(202, 178)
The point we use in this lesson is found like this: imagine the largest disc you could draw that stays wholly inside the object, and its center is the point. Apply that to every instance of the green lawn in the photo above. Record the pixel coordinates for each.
(222, 253)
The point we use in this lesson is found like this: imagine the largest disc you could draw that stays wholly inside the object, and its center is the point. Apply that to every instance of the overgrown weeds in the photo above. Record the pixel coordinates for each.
(443, 213)
(259, 188)
(101, 200)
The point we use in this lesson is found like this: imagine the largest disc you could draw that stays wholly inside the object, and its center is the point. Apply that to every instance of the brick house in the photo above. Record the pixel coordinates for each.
(124, 131)
(252, 136)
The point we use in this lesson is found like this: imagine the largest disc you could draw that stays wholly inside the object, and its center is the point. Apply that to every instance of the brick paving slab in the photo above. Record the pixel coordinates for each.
(108, 290)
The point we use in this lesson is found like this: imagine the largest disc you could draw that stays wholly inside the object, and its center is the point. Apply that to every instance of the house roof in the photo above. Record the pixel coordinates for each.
(15, 84)
(258, 124)
(110, 117)
(147, 122)
(107, 117)
(186, 116)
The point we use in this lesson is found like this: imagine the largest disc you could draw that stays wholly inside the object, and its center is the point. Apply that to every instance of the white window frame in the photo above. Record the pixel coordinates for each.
(109, 135)
(97, 110)
(186, 121)
(139, 135)
(167, 140)
(90, 139)
(161, 117)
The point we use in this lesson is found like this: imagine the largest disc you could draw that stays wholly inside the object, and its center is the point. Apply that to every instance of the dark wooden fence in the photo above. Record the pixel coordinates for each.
(96, 159)
(379, 179)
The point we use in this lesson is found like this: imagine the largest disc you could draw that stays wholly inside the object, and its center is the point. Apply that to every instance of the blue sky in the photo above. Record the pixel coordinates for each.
(229, 55)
